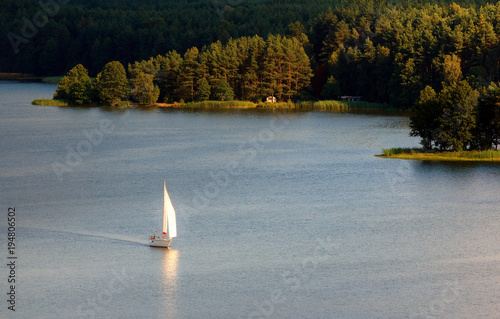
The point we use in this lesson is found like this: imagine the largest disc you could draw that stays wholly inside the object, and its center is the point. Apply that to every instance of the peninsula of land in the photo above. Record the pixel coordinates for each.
(456, 156)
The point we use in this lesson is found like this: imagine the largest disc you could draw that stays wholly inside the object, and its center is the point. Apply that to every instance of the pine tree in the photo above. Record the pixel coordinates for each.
(303, 72)
(167, 76)
(250, 78)
(151, 67)
(230, 62)
(223, 91)
(188, 75)
(488, 117)
(214, 60)
(203, 90)
(451, 69)
(405, 84)
(458, 119)
(111, 84)
(424, 121)
(331, 89)
(144, 90)
(273, 67)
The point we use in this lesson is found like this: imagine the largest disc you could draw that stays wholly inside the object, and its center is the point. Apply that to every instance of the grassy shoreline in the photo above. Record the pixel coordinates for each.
(328, 105)
(49, 102)
(419, 154)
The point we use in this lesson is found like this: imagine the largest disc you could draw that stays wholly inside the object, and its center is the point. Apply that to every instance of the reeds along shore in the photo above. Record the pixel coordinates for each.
(49, 102)
(327, 105)
(419, 154)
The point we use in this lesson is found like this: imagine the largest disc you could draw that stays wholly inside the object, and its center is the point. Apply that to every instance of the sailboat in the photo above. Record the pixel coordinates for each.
(169, 224)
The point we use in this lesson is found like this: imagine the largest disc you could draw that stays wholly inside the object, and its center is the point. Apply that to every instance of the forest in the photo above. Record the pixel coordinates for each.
(52, 38)
(247, 68)
(384, 51)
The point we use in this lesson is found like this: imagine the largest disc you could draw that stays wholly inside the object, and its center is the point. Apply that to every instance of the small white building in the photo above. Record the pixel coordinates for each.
(271, 99)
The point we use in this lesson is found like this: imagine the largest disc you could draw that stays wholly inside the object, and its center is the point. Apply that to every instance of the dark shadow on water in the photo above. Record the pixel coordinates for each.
(457, 168)
(459, 164)
(264, 111)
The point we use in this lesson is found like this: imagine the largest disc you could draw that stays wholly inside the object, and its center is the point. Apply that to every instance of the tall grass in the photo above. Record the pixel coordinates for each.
(485, 155)
(419, 154)
(218, 104)
(398, 150)
(278, 105)
(327, 105)
(49, 102)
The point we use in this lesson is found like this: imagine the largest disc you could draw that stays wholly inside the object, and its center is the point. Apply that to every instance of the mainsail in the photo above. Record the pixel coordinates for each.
(169, 222)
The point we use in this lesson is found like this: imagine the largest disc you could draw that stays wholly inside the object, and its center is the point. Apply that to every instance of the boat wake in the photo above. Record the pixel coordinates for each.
(117, 237)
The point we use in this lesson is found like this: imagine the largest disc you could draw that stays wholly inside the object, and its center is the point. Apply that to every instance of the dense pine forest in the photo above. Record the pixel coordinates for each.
(95, 32)
(384, 51)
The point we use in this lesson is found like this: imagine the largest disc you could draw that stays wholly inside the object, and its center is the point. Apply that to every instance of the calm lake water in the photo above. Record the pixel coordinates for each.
(279, 216)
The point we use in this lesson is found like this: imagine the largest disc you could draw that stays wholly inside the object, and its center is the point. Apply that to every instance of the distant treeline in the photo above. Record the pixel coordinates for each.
(50, 37)
(384, 51)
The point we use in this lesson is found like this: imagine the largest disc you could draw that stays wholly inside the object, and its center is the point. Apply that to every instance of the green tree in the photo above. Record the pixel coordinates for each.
(297, 30)
(297, 67)
(424, 120)
(150, 66)
(322, 36)
(331, 90)
(223, 91)
(188, 74)
(452, 71)
(203, 90)
(458, 119)
(111, 84)
(405, 83)
(144, 90)
(488, 117)
(75, 87)
(272, 68)
(167, 76)
(251, 79)
(286, 67)
(213, 57)
(230, 62)
(484, 36)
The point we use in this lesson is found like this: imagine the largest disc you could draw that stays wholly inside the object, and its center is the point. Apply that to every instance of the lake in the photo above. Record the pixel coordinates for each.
(279, 215)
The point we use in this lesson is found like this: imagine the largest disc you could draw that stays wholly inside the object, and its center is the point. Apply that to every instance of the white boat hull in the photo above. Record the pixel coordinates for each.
(159, 242)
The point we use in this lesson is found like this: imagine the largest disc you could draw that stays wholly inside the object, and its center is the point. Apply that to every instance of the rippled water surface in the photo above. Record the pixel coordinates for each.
(280, 215)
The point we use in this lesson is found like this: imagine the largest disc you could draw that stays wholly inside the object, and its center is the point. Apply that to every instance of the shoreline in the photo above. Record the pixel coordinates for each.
(441, 156)
(23, 77)
(319, 105)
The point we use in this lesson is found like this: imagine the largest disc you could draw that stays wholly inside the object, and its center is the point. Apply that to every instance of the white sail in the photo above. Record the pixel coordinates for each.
(169, 222)
(165, 208)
